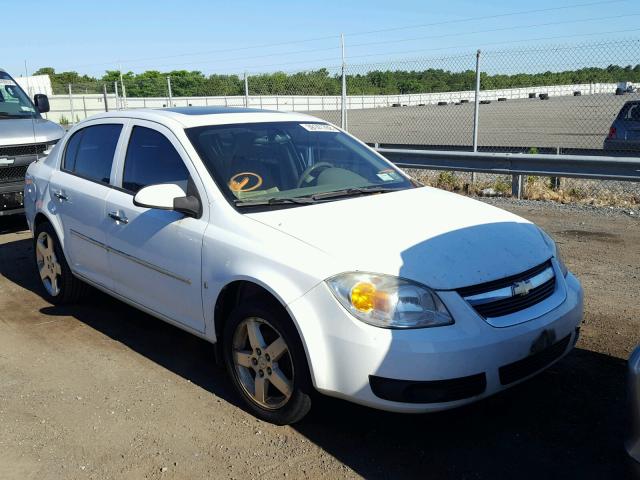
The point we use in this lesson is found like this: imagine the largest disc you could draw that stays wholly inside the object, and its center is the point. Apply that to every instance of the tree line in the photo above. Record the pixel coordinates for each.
(185, 83)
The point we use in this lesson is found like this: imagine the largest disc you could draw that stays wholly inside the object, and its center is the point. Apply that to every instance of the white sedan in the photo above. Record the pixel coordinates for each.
(310, 261)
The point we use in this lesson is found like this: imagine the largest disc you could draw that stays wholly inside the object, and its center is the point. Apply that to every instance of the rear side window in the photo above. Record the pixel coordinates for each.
(633, 112)
(152, 159)
(90, 152)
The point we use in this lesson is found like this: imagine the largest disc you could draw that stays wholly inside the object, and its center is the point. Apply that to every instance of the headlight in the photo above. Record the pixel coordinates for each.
(389, 302)
(556, 251)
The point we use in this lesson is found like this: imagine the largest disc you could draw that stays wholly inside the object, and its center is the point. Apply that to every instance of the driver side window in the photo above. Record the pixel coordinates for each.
(151, 159)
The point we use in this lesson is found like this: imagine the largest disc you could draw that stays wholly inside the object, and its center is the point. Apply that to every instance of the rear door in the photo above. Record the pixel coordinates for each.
(79, 190)
(156, 255)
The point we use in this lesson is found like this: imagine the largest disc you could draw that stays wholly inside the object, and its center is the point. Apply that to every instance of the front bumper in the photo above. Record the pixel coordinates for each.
(346, 356)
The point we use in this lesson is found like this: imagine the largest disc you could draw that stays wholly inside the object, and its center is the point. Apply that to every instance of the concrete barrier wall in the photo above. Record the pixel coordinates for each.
(79, 107)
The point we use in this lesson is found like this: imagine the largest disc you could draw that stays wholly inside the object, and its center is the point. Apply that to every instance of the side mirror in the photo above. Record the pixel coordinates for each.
(41, 102)
(168, 196)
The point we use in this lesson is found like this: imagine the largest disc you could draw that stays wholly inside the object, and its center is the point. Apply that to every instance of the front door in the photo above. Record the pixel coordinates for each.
(156, 255)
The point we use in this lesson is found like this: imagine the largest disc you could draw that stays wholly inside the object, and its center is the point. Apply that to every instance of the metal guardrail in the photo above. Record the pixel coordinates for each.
(518, 164)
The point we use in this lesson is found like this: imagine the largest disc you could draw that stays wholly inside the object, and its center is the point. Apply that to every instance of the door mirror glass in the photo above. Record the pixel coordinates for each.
(167, 196)
(41, 102)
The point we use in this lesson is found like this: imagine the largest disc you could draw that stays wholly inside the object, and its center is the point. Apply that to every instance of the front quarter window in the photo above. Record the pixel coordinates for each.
(291, 162)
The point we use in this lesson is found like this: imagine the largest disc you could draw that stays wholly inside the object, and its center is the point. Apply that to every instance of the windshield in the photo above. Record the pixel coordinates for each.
(14, 103)
(291, 162)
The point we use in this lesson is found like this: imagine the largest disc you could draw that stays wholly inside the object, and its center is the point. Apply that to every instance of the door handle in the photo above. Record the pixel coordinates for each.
(60, 195)
(119, 218)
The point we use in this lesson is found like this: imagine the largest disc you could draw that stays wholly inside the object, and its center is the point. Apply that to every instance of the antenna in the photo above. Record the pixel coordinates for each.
(29, 91)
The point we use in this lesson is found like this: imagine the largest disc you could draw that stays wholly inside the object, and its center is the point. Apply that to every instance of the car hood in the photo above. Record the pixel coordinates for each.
(23, 131)
(441, 239)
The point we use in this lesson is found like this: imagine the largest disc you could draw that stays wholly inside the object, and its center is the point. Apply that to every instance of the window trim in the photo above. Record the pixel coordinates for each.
(196, 178)
(63, 156)
(121, 169)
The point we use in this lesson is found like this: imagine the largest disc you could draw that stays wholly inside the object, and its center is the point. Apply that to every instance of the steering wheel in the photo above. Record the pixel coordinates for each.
(312, 168)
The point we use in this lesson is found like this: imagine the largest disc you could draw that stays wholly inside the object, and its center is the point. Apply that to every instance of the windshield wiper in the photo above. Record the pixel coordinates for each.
(274, 201)
(353, 191)
(315, 198)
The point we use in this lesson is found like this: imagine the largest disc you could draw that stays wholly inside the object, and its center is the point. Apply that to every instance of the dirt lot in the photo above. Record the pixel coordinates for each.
(100, 390)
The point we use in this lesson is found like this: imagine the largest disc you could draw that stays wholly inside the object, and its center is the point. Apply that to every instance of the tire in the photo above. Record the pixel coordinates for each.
(48, 255)
(248, 366)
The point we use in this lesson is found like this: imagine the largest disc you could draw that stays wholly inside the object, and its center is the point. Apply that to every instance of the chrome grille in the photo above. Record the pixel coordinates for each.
(20, 150)
(512, 294)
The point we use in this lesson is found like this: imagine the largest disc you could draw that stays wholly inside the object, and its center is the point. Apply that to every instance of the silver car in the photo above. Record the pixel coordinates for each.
(24, 137)
(624, 133)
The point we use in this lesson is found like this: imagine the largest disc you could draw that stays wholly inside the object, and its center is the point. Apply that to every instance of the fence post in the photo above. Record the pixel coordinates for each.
(476, 111)
(73, 116)
(115, 88)
(124, 91)
(555, 181)
(246, 90)
(84, 106)
(516, 186)
(104, 96)
(343, 107)
(170, 103)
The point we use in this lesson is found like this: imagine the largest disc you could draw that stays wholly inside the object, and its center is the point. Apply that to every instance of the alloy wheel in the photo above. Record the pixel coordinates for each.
(263, 363)
(49, 268)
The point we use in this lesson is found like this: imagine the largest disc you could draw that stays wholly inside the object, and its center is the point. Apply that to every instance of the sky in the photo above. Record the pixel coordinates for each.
(258, 36)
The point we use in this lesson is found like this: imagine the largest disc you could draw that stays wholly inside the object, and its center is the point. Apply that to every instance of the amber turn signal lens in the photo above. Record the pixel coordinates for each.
(363, 296)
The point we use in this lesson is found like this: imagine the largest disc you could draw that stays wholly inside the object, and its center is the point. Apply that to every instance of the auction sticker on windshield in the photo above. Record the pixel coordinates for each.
(319, 127)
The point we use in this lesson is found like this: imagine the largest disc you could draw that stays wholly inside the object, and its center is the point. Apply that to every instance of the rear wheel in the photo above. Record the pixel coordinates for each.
(60, 285)
(267, 364)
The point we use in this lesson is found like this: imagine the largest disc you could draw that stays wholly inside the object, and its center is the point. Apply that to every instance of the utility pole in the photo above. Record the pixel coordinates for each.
(343, 110)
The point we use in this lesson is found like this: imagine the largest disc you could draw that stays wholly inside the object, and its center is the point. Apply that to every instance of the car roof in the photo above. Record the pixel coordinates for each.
(189, 117)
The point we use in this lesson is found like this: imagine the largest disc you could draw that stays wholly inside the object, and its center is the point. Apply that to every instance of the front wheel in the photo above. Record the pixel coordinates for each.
(267, 364)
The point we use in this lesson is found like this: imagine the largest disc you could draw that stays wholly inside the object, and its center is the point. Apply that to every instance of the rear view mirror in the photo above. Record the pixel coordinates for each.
(168, 196)
(41, 102)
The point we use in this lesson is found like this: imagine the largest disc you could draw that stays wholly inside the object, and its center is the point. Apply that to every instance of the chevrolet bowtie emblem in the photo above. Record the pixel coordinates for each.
(521, 288)
(6, 161)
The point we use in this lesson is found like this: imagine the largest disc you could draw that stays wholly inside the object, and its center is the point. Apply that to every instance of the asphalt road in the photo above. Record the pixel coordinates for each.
(565, 122)
(100, 390)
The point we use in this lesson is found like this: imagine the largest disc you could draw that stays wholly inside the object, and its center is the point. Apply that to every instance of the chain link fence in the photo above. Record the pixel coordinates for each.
(552, 99)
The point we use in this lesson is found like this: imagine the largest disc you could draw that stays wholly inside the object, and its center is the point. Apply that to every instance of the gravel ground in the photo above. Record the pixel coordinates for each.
(100, 390)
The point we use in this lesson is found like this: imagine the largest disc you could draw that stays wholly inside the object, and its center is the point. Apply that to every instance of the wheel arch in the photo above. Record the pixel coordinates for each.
(41, 218)
(236, 291)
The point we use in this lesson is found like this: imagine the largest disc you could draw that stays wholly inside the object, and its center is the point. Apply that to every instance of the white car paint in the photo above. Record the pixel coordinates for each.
(440, 239)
